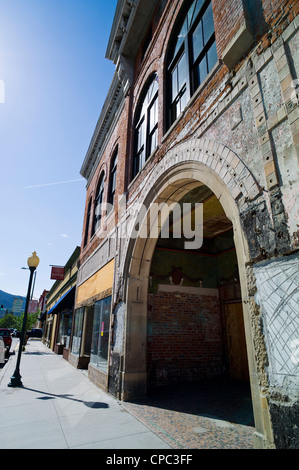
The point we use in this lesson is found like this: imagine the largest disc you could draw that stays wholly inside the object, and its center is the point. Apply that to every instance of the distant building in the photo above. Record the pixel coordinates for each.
(58, 315)
(42, 305)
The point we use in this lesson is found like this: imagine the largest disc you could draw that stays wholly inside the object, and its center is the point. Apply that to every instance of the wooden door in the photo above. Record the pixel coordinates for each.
(235, 334)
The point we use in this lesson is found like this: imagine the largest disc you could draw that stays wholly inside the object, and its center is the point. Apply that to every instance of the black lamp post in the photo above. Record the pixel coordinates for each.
(15, 380)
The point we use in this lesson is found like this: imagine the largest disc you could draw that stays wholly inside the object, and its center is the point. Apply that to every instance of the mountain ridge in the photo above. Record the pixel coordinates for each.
(7, 300)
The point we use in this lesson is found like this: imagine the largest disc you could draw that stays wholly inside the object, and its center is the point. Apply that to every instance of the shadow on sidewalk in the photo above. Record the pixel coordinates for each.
(52, 396)
(216, 398)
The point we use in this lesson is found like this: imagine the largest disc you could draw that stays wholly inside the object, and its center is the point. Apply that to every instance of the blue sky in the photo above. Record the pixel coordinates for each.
(54, 79)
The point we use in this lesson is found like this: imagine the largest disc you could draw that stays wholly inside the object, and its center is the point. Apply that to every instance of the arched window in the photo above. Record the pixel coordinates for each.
(112, 180)
(87, 223)
(146, 125)
(97, 215)
(191, 57)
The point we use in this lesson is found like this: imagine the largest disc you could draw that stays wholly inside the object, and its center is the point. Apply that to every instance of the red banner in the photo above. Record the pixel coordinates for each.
(57, 273)
(32, 307)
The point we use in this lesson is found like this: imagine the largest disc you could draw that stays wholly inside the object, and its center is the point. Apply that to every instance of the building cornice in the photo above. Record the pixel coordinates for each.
(131, 19)
(130, 23)
(105, 124)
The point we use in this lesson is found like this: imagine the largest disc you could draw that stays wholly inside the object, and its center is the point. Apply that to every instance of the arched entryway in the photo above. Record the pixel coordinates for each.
(195, 326)
(182, 171)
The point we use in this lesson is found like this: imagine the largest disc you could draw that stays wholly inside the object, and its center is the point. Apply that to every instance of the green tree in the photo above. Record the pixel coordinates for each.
(12, 321)
(31, 321)
(8, 321)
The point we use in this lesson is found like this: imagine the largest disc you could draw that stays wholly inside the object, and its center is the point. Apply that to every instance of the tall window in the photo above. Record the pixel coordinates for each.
(112, 181)
(77, 334)
(146, 125)
(100, 334)
(87, 223)
(98, 205)
(191, 57)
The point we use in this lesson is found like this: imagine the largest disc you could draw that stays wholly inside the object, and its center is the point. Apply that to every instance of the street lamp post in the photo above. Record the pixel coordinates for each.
(31, 296)
(15, 380)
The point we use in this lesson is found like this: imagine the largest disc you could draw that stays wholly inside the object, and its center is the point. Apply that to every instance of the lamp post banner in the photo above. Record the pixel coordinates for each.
(32, 308)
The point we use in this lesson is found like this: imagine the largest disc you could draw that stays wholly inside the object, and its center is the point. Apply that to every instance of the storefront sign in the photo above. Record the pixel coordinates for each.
(57, 273)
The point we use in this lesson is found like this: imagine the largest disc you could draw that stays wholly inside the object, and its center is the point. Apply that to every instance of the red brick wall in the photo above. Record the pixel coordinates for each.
(119, 139)
(184, 337)
(228, 16)
(262, 15)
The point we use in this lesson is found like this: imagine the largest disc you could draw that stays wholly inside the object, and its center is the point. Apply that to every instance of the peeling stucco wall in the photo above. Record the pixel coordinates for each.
(278, 297)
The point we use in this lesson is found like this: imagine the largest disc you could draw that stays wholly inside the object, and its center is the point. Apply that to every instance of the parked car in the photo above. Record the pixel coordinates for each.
(2, 351)
(5, 335)
(35, 333)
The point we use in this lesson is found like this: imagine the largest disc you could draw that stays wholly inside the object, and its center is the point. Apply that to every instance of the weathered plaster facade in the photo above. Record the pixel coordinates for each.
(238, 135)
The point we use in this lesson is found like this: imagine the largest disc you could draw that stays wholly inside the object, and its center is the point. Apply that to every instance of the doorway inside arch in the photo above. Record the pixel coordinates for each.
(195, 328)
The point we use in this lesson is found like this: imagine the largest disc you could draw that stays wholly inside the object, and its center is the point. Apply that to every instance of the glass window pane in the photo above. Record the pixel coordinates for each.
(212, 56)
(152, 90)
(197, 41)
(182, 72)
(140, 135)
(100, 334)
(181, 37)
(152, 141)
(95, 334)
(153, 115)
(203, 71)
(190, 15)
(141, 159)
(183, 100)
(77, 331)
(174, 83)
(197, 9)
(104, 334)
(208, 23)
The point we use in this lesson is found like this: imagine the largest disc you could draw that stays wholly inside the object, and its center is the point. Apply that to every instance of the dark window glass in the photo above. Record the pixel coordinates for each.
(212, 56)
(100, 334)
(87, 223)
(112, 182)
(191, 56)
(179, 87)
(98, 205)
(77, 334)
(146, 126)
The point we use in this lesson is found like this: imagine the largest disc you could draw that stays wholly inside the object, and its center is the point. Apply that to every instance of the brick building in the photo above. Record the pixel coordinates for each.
(202, 113)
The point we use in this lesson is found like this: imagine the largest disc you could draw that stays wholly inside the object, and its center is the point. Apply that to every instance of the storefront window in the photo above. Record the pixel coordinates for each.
(77, 331)
(100, 334)
(64, 330)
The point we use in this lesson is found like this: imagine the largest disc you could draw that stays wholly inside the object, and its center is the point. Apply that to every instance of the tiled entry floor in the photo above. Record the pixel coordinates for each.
(210, 414)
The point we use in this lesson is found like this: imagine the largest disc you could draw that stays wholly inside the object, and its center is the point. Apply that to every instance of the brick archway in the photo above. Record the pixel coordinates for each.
(183, 168)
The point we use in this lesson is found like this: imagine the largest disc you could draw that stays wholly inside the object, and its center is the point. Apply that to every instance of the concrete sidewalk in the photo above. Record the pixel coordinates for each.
(59, 408)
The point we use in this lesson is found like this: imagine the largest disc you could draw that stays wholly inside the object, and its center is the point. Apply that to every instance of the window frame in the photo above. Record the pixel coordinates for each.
(142, 150)
(87, 223)
(112, 178)
(99, 352)
(176, 103)
(98, 201)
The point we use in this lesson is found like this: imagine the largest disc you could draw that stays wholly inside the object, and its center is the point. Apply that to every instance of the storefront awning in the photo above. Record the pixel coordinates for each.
(66, 301)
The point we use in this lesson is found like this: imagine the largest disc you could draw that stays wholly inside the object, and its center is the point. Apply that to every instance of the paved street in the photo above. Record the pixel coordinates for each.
(59, 408)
